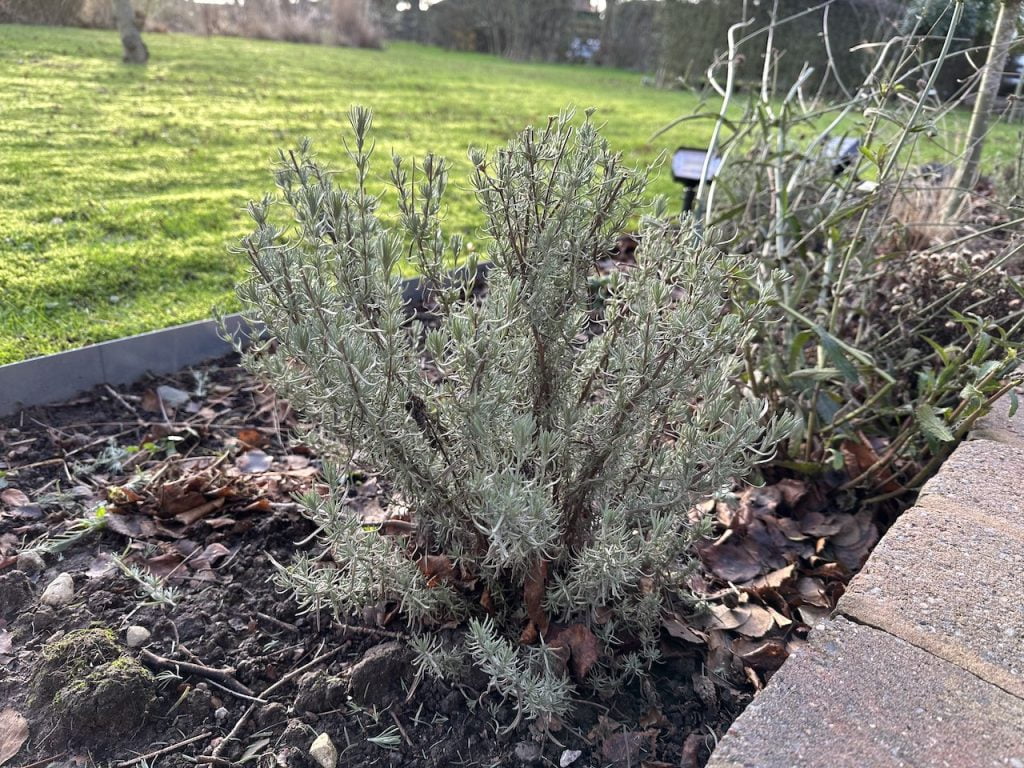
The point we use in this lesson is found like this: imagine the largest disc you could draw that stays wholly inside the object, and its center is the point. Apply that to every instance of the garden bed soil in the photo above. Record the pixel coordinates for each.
(197, 474)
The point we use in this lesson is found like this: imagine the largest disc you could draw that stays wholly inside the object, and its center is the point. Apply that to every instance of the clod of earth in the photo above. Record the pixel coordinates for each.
(89, 690)
(15, 594)
(30, 561)
(377, 679)
(320, 692)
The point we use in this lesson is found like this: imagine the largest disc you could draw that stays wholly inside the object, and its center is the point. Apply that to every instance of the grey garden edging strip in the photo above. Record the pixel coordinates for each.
(59, 377)
(62, 376)
(923, 660)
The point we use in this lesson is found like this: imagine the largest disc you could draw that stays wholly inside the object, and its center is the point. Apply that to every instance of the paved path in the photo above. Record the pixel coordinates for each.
(923, 662)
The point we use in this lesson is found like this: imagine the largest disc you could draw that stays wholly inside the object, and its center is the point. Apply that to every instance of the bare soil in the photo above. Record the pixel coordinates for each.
(199, 497)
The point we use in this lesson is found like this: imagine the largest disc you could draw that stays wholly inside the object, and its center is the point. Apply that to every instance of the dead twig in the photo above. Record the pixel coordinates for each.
(165, 750)
(401, 730)
(370, 631)
(117, 396)
(224, 676)
(277, 622)
(45, 761)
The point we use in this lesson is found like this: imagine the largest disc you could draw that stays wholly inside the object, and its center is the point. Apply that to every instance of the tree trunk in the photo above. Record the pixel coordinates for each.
(606, 53)
(135, 51)
(966, 176)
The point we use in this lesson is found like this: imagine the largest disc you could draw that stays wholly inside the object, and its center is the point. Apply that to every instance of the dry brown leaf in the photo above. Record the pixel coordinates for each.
(529, 635)
(101, 565)
(681, 631)
(731, 561)
(191, 516)
(779, 619)
(690, 756)
(582, 644)
(859, 456)
(818, 524)
(755, 681)
(654, 718)
(763, 655)
(486, 601)
(758, 623)
(792, 490)
(436, 569)
(162, 566)
(853, 543)
(812, 614)
(177, 497)
(724, 617)
(533, 595)
(252, 438)
(624, 749)
(293, 461)
(132, 526)
(206, 559)
(812, 592)
(770, 581)
(13, 733)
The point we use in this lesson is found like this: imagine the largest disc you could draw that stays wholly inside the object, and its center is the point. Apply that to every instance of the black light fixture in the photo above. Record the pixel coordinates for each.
(687, 165)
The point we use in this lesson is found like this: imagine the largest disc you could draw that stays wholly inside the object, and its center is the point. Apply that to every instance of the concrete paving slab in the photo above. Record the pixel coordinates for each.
(983, 476)
(858, 697)
(949, 581)
(999, 426)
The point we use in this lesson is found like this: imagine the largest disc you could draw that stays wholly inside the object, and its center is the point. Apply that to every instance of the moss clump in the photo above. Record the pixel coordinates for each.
(90, 689)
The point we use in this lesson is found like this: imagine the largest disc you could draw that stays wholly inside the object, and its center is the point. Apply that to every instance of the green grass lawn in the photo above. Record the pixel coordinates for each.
(121, 189)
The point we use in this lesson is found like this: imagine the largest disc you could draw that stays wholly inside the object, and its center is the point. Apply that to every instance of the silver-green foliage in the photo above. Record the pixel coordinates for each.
(538, 454)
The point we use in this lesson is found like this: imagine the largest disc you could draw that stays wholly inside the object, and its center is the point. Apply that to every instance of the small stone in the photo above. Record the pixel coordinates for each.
(136, 636)
(56, 221)
(59, 591)
(30, 561)
(569, 757)
(323, 751)
(172, 396)
(529, 752)
(221, 714)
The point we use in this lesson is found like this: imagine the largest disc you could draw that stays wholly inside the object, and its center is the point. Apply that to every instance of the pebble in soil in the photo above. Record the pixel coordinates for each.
(90, 691)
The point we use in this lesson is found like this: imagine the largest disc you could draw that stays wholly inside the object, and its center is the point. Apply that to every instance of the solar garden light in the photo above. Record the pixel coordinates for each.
(841, 152)
(687, 166)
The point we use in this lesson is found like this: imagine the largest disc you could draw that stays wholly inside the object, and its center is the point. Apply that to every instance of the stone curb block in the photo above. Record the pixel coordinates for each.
(983, 476)
(934, 673)
(857, 697)
(919, 587)
(999, 427)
